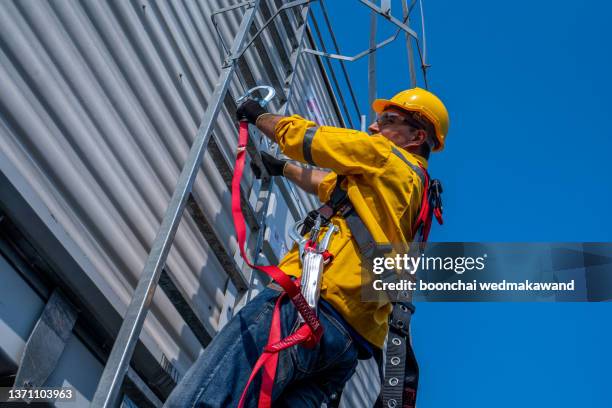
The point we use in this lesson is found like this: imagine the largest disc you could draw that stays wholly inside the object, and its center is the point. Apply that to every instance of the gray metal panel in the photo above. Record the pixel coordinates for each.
(99, 104)
(46, 342)
(20, 308)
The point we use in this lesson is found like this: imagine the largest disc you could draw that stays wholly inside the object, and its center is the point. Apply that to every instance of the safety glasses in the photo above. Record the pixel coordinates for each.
(393, 118)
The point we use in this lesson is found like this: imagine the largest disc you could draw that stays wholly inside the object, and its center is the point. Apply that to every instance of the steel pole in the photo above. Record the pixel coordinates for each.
(412, 70)
(111, 380)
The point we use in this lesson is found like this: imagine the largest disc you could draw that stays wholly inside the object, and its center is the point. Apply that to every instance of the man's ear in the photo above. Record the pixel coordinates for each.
(420, 136)
(417, 138)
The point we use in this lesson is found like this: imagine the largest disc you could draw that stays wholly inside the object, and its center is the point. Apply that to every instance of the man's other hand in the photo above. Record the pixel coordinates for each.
(273, 166)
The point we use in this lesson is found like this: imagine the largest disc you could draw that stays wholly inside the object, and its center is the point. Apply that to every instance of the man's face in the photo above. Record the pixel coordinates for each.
(393, 126)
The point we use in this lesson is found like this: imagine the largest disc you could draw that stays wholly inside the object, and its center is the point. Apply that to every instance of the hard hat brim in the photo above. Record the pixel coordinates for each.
(379, 105)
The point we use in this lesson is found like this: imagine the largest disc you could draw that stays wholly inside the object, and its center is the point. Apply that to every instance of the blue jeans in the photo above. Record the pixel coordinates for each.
(304, 377)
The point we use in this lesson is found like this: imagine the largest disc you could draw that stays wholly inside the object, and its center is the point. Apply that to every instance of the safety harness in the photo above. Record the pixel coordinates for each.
(310, 331)
(400, 380)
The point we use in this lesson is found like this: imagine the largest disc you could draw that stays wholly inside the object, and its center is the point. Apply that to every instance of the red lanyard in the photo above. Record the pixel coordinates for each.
(309, 333)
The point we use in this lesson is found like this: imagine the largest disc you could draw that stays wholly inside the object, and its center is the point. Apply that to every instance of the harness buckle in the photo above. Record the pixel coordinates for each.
(435, 190)
(399, 320)
(324, 214)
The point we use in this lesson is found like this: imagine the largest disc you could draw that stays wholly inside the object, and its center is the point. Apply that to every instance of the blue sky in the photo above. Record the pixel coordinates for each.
(528, 159)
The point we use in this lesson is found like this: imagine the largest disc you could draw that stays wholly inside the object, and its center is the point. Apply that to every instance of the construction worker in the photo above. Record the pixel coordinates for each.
(377, 172)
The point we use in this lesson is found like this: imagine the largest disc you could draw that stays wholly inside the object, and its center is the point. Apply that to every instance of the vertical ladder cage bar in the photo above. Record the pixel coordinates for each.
(406, 11)
(372, 65)
(385, 6)
(109, 386)
(267, 187)
(423, 32)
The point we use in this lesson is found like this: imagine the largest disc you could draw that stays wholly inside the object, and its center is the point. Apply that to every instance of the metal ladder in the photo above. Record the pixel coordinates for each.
(109, 386)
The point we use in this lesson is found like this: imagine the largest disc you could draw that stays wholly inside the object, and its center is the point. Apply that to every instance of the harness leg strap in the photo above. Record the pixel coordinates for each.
(399, 360)
(393, 384)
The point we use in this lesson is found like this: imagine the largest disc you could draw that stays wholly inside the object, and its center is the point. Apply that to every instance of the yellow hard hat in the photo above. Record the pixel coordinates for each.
(423, 102)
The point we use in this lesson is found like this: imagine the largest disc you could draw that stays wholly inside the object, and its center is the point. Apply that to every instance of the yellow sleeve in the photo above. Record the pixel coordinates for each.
(345, 151)
(326, 186)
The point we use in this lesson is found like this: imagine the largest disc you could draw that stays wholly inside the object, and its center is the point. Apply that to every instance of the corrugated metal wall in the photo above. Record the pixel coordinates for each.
(100, 102)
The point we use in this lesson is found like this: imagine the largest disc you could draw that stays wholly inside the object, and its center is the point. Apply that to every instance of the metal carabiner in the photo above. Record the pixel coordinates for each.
(263, 102)
(298, 238)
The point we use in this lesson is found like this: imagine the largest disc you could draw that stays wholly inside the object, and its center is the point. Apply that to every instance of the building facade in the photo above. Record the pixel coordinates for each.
(100, 102)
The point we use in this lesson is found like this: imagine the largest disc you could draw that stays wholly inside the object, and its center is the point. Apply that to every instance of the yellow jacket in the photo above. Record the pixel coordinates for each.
(386, 194)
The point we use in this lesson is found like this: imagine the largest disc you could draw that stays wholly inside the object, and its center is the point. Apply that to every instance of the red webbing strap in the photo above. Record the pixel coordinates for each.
(269, 361)
(423, 220)
(438, 214)
(307, 334)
